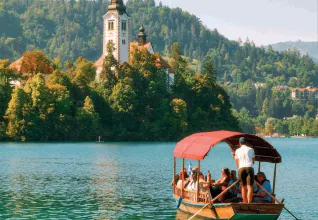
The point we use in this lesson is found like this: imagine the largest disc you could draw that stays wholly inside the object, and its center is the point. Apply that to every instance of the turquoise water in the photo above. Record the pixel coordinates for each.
(131, 180)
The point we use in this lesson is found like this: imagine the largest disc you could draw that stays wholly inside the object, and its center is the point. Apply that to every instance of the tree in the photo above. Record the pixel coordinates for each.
(35, 62)
(110, 67)
(85, 73)
(6, 74)
(178, 118)
(123, 104)
(269, 127)
(209, 71)
(87, 121)
(16, 124)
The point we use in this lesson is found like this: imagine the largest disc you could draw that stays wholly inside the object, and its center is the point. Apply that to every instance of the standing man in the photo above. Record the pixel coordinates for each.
(244, 158)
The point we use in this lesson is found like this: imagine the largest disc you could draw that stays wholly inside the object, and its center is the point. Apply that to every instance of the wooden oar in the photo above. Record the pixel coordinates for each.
(224, 191)
(213, 200)
(274, 198)
(199, 211)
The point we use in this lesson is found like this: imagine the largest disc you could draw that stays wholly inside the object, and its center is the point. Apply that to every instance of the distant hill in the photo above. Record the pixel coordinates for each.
(303, 47)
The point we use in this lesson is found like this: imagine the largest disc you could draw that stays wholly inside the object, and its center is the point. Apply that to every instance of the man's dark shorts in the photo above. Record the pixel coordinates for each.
(246, 176)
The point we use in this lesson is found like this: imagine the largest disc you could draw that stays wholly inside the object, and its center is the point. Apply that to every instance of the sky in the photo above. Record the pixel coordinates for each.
(263, 21)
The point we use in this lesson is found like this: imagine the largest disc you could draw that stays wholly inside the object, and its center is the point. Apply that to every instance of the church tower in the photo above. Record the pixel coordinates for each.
(142, 36)
(116, 30)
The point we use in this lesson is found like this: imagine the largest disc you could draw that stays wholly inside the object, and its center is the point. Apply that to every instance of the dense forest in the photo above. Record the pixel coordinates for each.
(252, 76)
(128, 102)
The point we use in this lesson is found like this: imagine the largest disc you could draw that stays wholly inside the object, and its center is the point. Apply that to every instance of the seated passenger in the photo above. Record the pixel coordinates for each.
(234, 190)
(203, 185)
(221, 184)
(261, 196)
(181, 175)
(191, 183)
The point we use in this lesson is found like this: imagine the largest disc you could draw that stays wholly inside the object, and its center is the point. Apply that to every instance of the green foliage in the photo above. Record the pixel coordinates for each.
(131, 100)
(110, 67)
(178, 118)
(87, 121)
(245, 120)
(72, 105)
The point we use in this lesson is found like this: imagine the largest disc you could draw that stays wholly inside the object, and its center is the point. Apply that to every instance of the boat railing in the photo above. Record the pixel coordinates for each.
(192, 195)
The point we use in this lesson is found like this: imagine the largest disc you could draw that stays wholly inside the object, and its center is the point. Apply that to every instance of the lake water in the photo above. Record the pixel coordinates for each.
(131, 180)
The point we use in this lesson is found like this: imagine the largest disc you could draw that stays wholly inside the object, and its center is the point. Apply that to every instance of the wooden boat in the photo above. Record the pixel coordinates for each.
(196, 147)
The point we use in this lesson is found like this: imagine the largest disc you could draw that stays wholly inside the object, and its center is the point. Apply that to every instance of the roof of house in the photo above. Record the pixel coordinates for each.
(309, 89)
(24, 66)
(99, 62)
(160, 62)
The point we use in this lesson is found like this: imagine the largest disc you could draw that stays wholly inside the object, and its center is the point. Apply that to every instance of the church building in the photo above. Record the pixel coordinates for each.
(117, 30)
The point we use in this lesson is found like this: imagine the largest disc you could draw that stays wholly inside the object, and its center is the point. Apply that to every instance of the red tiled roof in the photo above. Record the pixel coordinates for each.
(309, 89)
(99, 62)
(147, 45)
(160, 62)
(25, 66)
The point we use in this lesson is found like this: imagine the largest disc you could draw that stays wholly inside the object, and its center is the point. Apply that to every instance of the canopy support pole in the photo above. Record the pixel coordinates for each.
(182, 189)
(174, 175)
(198, 179)
(259, 166)
(274, 180)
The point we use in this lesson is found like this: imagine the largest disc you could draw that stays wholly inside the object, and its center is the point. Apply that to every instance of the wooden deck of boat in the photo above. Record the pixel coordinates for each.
(234, 211)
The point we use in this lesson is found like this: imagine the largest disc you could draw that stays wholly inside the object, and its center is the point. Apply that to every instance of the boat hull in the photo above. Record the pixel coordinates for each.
(234, 211)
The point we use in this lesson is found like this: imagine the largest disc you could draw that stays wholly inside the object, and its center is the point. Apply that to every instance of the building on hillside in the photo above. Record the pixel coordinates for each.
(160, 62)
(259, 85)
(116, 30)
(28, 66)
(304, 93)
(280, 88)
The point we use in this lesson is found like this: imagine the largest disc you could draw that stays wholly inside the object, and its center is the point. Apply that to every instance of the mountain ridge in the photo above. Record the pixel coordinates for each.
(304, 47)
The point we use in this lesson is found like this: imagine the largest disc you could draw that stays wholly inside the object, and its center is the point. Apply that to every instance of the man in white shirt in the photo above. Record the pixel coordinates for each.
(244, 158)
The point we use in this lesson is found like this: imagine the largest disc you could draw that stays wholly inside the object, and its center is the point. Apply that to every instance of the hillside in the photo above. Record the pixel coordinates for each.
(250, 74)
(310, 48)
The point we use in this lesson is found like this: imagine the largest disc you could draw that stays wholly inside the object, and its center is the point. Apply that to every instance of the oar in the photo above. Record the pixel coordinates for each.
(211, 202)
(199, 211)
(274, 199)
(224, 191)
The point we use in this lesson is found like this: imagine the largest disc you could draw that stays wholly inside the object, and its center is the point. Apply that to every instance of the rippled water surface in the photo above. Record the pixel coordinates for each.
(131, 180)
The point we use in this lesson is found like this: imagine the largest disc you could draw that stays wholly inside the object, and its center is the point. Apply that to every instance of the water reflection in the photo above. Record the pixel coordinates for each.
(125, 181)
(180, 215)
(104, 191)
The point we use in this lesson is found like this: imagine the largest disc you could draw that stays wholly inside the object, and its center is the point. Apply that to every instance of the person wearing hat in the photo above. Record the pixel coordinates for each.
(244, 158)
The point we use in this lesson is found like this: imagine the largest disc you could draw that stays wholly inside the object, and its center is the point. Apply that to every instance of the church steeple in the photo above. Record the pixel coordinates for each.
(117, 5)
(142, 36)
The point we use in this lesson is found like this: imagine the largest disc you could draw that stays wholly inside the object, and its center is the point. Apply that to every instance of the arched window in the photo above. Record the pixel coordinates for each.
(124, 25)
(110, 25)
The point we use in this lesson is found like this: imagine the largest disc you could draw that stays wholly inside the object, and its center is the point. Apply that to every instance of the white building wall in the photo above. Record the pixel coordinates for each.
(119, 37)
(150, 49)
(171, 79)
(111, 35)
(124, 39)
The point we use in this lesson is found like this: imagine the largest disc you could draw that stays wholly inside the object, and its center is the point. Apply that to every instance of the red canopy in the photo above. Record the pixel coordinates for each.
(198, 145)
